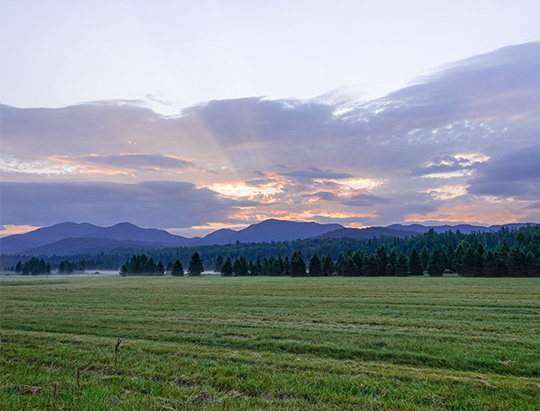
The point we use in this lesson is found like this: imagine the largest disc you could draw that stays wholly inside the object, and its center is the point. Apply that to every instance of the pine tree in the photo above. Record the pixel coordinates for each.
(382, 260)
(297, 265)
(469, 262)
(424, 258)
(358, 258)
(177, 269)
(436, 263)
(415, 265)
(160, 269)
(490, 265)
(227, 268)
(195, 265)
(218, 264)
(402, 266)
(315, 267)
(18, 267)
(328, 266)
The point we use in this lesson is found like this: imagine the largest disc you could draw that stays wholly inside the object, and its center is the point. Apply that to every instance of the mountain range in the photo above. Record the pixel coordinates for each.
(82, 238)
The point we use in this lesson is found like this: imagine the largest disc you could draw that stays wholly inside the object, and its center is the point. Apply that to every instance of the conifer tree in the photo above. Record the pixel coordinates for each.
(402, 266)
(227, 268)
(218, 263)
(315, 267)
(436, 263)
(297, 265)
(160, 269)
(415, 265)
(328, 266)
(177, 269)
(195, 265)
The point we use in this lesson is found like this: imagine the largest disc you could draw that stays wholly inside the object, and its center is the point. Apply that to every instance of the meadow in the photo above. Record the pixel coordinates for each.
(161, 343)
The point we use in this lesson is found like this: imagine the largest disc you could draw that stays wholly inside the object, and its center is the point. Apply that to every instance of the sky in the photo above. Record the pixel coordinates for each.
(195, 116)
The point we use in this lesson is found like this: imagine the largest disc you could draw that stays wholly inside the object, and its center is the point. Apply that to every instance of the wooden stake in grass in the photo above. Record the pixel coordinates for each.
(116, 350)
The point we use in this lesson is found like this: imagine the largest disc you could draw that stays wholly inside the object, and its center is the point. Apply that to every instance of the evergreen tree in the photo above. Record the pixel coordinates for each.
(382, 260)
(392, 261)
(469, 262)
(490, 265)
(424, 258)
(257, 267)
(436, 263)
(18, 267)
(358, 258)
(297, 265)
(286, 266)
(530, 266)
(177, 269)
(401, 268)
(227, 268)
(169, 267)
(459, 255)
(315, 267)
(328, 266)
(195, 265)
(218, 263)
(415, 264)
(160, 269)
(449, 257)
(348, 268)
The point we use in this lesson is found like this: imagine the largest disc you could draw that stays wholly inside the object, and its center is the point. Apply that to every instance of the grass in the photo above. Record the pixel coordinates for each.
(271, 343)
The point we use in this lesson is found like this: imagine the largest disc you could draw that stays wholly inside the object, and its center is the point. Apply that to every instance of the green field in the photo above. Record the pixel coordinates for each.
(271, 343)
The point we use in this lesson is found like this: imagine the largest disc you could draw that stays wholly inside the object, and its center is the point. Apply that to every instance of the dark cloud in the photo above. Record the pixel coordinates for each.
(365, 200)
(516, 174)
(487, 105)
(444, 164)
(316, 173)
(148, 204)
(139, 160)
(323, 195)
(533, 206)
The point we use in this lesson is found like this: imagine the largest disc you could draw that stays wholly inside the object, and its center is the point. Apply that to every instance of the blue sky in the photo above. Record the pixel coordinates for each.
(221, 114)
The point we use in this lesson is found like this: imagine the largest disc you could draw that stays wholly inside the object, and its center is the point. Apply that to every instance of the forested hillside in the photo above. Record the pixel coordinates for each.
(504, 253)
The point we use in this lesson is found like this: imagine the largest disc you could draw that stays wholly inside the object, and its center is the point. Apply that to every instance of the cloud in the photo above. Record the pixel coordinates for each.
(516, 174)
(316, 173)
(365, 200)
(472, 128)
(139, 160)
(148, 204)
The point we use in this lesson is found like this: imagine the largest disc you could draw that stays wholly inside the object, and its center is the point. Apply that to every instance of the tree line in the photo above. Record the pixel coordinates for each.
(140, 264)
(470, 260)
(502, 253)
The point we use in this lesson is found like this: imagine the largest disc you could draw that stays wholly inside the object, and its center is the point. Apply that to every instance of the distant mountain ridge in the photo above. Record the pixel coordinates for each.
(82, 238)
(74, 238)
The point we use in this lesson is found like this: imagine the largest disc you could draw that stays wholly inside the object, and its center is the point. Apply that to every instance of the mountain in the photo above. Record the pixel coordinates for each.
(130, 232)
(18, 243)
(270, 230)
(73, 238)
(72, 246)
(463, 228)
(370, 232)
(34, 241)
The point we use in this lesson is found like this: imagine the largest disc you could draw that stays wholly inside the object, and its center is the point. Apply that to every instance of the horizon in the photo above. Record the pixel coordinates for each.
(273, 219)
(304, 112)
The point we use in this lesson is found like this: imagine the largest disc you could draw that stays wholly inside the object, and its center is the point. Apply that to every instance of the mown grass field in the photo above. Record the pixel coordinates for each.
(271, 343)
